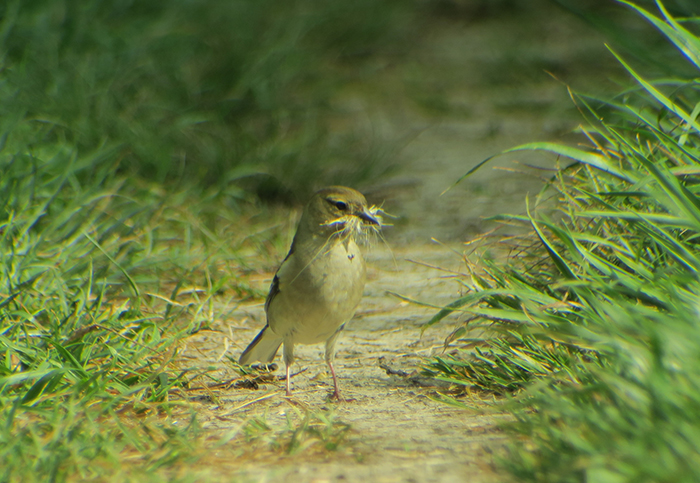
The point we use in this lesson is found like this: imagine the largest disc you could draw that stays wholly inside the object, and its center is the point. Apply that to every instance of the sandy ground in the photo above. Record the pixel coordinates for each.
(399, 434)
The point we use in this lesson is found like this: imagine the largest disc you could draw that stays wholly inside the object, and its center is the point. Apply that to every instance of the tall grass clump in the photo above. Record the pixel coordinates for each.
(595, 315)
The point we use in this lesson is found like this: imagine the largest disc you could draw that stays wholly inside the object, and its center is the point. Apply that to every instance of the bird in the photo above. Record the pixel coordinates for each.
(318, 286)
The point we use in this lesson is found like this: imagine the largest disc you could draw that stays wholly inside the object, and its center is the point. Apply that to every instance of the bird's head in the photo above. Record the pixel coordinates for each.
(338, 209)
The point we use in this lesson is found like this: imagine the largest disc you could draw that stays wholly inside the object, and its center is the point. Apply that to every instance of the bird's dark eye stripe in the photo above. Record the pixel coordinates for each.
(341, 205)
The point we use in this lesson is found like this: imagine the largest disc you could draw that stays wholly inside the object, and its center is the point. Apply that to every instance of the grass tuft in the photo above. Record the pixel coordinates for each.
(592, 319)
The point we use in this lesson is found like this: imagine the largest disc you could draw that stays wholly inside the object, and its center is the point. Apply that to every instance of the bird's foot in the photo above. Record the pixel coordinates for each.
(337, 397)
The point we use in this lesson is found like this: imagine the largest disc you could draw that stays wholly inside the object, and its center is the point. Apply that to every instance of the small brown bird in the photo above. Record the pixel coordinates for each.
(317, 288)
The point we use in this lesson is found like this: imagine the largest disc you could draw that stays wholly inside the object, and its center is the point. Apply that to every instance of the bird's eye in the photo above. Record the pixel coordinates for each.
(341, 205)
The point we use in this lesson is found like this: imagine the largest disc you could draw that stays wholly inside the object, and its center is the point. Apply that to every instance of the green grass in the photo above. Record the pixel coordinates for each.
(594, 314)
(208, 93)
(86, 340)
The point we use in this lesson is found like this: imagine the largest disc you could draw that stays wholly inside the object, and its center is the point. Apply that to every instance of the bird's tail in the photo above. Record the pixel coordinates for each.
(263, 348)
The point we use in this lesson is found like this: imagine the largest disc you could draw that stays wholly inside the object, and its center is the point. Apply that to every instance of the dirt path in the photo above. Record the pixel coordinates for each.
(398, 433)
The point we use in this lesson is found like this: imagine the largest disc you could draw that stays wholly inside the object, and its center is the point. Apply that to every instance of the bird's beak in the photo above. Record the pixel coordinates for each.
(363, 215)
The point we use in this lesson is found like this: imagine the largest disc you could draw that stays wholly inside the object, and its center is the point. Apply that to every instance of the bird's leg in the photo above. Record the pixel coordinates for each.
(289, 384)
(336, 390)
(330, 356)
(288, 356)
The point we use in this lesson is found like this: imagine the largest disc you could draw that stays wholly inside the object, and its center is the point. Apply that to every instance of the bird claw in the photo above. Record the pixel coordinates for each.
(337, 397)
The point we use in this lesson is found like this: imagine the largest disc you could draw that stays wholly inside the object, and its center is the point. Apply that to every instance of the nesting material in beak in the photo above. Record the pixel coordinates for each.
(360, 224)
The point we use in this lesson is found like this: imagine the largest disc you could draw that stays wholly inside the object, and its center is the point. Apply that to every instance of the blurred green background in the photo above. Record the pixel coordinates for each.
(242, 93)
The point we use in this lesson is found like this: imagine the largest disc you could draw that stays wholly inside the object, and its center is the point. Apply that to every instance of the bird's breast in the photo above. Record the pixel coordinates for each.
(318, 292)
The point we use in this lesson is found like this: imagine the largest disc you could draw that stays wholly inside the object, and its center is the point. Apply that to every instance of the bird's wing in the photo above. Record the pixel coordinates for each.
(275, 286)
(274, 290)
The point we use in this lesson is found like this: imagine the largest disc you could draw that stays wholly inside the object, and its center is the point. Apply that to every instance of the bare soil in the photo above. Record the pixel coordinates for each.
(398, 432)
